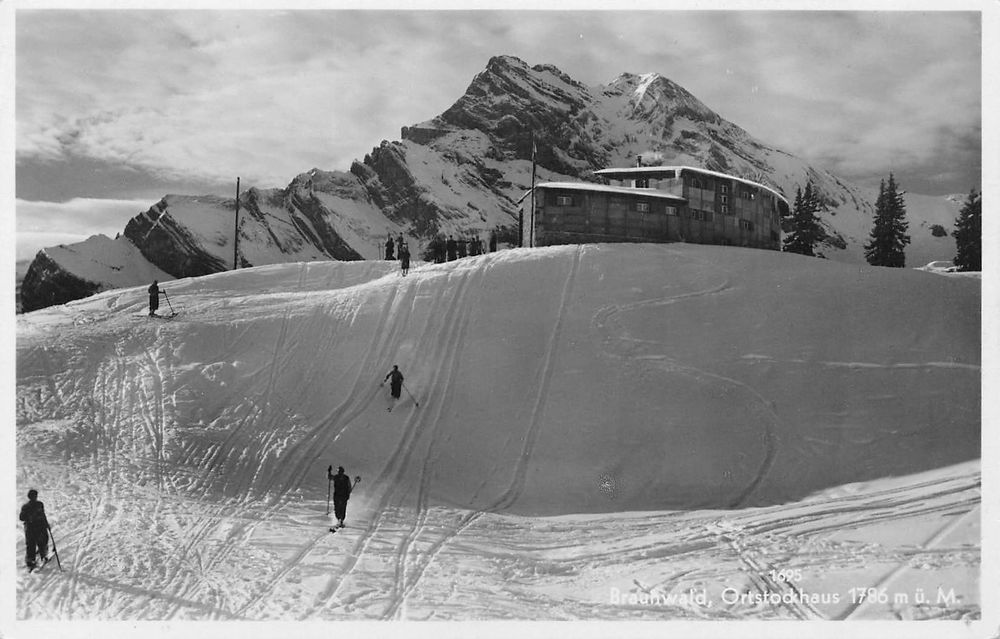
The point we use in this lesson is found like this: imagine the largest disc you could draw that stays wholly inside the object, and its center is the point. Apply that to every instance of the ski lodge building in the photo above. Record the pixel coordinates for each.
(659, 204)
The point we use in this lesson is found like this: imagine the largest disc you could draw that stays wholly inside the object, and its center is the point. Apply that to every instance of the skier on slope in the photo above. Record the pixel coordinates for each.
(389, 249)
(395, 381)
(36, 529)
(341, 493)
(154, 298)
(404, 258)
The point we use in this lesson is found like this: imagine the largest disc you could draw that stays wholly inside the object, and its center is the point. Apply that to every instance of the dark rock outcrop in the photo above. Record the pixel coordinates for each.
(47, 284)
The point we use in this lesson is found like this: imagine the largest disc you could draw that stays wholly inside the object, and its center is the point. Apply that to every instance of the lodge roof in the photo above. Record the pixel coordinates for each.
(647, 170)
(621, 190)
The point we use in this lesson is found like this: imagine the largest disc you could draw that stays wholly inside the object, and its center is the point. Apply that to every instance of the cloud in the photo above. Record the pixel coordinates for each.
(209, 95)
(41, 224)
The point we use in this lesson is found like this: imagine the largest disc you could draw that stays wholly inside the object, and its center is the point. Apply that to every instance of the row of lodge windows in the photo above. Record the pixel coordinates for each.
(745, 192)
(644, 207)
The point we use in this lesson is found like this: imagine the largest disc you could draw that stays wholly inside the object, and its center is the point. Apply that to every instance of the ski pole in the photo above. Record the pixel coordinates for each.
(167, 297)
(55, 551)
(411, 395)
(329, 482)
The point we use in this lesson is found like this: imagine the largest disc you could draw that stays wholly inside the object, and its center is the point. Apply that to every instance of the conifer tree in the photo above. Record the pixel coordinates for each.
(786, 218)
(803, 226)
(969, 234)
(888, 238)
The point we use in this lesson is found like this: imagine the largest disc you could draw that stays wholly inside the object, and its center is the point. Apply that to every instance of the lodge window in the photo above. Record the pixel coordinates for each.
(671, 210)
(746, 225)
(564, 200)
(642, 207)
(724, 199)
(704, 216)
(724, 188)
(725, 209)
(642, 183)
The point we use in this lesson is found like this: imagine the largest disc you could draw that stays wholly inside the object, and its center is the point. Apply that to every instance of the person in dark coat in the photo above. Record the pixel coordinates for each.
(439, 250)
(154, 298)
(493, 242)
(404, 258)
(389, 249)
(451, 248)
(341, 493)
(36, 529)
(395, 381)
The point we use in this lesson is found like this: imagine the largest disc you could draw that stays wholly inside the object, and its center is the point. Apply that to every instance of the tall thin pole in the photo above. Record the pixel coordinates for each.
(531, 232)
(236, 229)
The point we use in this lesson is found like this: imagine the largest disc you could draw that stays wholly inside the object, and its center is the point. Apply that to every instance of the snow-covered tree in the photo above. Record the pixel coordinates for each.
(969, 234)
(803, 230)
(888, 238)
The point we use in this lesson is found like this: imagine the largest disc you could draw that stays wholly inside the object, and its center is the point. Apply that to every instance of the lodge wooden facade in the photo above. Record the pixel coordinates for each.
(659, 204)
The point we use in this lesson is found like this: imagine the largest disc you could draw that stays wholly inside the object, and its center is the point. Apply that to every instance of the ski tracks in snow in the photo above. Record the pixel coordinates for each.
(410, 571)
(516, 486)
(443, 339)
(619, 345)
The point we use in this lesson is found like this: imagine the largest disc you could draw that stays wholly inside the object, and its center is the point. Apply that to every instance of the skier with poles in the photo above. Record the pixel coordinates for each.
(36, 530)
(396, 385)
(342, 488)
(154, 301)
(395, 382)
(154, 298)
(404, 258)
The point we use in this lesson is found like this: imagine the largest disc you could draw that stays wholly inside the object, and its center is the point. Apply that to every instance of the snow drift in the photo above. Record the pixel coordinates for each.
(559, 380)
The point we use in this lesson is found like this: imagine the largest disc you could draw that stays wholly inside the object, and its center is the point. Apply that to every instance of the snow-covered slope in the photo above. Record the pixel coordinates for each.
(584, 413)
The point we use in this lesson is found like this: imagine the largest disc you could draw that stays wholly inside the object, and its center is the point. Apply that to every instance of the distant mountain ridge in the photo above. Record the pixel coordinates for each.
(463, 173)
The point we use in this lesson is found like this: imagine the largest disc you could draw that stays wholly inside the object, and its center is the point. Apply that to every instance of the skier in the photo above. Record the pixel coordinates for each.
(389, 254)
(439, 252)
(341, 493)
(36, 529)
(404, 258)
(452, 248)
(154, 298)
(395, 381)
(493, 242)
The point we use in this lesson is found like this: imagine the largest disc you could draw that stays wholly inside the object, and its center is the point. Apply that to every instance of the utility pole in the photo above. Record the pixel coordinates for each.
(236, 230)
(531, 231)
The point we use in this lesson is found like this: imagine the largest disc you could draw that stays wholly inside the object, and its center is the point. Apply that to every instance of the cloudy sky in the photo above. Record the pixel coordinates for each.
(116, 108)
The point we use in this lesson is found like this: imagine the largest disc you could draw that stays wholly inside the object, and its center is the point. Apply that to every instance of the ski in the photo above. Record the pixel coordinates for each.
(41, 564)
